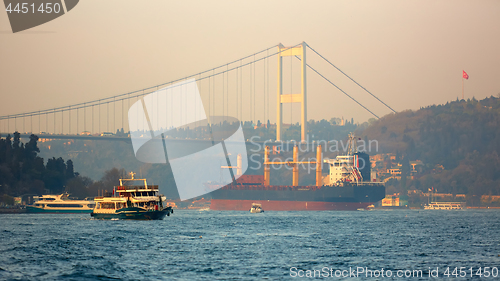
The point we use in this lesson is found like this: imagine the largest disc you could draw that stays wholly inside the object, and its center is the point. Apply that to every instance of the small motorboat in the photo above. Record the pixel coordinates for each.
(256, 208)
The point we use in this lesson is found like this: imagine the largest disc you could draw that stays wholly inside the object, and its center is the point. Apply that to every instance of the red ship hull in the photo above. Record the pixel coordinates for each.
(274, 205)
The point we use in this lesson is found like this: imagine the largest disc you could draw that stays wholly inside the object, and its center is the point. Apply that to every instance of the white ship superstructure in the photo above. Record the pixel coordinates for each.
(60, 204)
(346, 168)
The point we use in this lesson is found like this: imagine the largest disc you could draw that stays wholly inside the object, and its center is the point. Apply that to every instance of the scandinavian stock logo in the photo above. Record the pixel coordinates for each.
(196, 163)
(25, 14)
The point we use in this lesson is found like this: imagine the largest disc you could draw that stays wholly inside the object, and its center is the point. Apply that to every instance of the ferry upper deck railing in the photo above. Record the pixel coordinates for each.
(137, 187)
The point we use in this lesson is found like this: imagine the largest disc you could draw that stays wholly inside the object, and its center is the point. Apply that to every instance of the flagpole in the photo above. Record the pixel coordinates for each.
(462, 87)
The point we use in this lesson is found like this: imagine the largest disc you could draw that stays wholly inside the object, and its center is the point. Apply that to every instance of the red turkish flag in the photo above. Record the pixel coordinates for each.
(465, 75)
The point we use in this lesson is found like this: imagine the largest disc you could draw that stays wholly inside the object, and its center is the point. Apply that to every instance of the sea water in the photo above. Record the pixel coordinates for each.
(227, 245)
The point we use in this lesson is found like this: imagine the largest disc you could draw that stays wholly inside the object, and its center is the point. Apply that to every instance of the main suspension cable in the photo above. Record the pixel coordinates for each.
(351, 79)
(339, 88)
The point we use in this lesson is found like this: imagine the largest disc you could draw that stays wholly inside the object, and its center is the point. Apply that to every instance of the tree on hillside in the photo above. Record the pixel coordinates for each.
(112, 178)
(70, 173)
(22, 171)
(81, 187)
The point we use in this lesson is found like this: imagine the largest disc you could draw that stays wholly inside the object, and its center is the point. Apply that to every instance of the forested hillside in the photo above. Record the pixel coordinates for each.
(22, 171)
(462, 136)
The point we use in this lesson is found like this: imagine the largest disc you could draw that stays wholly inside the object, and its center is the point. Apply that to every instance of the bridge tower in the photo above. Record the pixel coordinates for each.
(299, 50)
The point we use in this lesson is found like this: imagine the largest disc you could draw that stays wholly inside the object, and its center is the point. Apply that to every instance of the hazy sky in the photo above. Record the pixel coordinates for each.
(409, 53)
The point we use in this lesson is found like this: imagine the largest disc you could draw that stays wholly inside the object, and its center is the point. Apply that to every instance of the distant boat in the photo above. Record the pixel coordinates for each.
(445, 206)
(256, 208)
(132, 201)
(60, 204)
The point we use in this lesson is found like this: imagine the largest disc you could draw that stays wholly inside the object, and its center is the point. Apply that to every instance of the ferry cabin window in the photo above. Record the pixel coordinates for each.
(107, 205)
(120, 205)
(65, 205)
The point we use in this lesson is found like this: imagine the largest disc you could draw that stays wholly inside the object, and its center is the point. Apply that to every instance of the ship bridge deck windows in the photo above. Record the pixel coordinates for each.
(144, 194)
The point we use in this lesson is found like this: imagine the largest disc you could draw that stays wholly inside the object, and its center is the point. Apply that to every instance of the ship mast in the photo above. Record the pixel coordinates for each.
(352, 148)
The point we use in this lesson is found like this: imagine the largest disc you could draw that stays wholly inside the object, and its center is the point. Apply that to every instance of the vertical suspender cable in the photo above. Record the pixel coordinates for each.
(237, 94)
(128, 107)
(171, 109)
(157, 109)
(241, 91)
(267, 77)
(201, 93)
(213, 92)
(251, 91)
(291, 93)
(137, 112)
(264, 90)
(185, 105)
(224, 94)
(227, 89)
(209, 95)
(254, 92)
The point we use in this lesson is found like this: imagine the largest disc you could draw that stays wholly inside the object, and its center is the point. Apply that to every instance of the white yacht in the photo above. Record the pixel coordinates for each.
(59, 204)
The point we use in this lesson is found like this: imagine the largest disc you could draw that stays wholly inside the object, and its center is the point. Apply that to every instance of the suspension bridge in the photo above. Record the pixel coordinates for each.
(242, 89)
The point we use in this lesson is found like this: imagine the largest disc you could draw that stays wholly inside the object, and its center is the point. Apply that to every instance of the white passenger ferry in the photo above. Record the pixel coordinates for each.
(134, 199)
(445, 206)
(59, 204)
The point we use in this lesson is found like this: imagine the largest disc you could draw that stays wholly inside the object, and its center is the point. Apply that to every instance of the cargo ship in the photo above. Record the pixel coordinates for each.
(349, 186)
